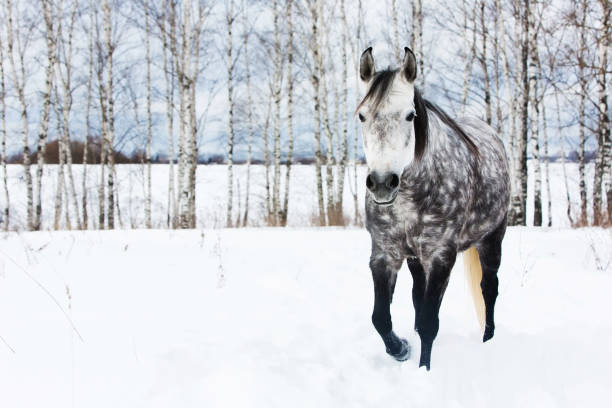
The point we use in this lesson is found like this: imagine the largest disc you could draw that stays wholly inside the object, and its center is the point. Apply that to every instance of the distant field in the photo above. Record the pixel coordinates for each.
(211, 194)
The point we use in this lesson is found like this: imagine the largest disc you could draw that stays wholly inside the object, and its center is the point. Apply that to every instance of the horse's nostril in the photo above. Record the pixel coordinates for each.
(394, 181)
(369, 182)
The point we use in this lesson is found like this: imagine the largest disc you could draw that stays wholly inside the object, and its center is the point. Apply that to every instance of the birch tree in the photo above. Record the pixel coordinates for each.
(519, 193)
(289, 16)
(276, 95)
(149, 125)
(16, 44)
(535, 114)
(6, 212)
(230, 120)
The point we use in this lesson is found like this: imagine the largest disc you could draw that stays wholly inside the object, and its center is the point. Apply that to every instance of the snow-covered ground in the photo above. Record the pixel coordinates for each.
(281, 318)
(211, 195)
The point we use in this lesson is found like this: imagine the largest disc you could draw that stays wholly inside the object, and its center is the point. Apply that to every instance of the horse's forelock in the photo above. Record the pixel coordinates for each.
(379, 89)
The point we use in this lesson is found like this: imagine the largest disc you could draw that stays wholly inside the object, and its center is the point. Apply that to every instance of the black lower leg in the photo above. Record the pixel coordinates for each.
(428, 321)
(381, 317)
(418, 286)
(489, 251)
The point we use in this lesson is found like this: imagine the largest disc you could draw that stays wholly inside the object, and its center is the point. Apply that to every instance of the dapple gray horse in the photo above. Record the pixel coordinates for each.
(435, 187)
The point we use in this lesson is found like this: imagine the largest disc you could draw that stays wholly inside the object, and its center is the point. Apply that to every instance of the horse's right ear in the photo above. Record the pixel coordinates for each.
(409, 66)
(366, 65)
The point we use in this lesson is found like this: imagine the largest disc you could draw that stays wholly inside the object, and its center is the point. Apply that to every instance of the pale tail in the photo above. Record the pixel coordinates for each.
(473, 273)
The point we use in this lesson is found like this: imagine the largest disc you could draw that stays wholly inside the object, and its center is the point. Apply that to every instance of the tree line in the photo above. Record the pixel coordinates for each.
(263, 81)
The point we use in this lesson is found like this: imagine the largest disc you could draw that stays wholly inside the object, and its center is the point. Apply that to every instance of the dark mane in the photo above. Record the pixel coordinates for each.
(447, 120)
(381, 84)
(379, 90)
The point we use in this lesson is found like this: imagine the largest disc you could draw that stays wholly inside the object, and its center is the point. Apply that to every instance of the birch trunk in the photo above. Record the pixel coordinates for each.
(267, 160)
(535, 114)
(394, 18)
(417, 16)
(567, 193)
(357, 127)
(230, 120)
(344, 115)
(247, 69)
(149, 130)
(470, 54)
(483, 63)
(6, 212)
(110, 141)
(277, 119)
(87, 116)
(19, 84)
(508, 82)
(51, 36)
(315, 80)
(582, 115)
(604, 113)
(59, 192)
(169, 81)
(66, 108)
(329, 175)
(519, 195)
(285, 209)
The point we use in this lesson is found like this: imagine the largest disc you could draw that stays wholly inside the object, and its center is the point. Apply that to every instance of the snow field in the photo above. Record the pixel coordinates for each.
(211, 195)
(276, 318)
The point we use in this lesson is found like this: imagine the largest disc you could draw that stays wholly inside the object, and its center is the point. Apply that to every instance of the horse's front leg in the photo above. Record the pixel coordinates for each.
(384, 274)
(438, 269)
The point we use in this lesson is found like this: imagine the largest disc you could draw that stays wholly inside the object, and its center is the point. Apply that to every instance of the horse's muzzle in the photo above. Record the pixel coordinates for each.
(383, 187)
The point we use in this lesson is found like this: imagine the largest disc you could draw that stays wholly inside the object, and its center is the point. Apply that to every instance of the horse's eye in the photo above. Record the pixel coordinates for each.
(410, 116)
(361, 117)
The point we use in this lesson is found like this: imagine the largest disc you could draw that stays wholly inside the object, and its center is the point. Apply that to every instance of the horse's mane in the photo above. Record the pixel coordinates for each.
(379, 90)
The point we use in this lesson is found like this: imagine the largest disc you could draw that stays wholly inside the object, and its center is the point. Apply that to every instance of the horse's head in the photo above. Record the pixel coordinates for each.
(388, 114)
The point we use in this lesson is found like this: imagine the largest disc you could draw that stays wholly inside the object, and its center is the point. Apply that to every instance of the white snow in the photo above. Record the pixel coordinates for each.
(281, 318)
(211, 195)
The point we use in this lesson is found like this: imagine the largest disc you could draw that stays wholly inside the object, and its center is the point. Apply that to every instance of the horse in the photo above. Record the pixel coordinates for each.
(436, 187)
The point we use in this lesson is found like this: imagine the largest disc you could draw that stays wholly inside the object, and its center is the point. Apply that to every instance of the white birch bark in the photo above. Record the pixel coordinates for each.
(19, 80)
(149, 125)
(511, 106)
(277, 119)
(6, 212)
(417, 22)
(285, 207)
(66, 106)
(51, 36)
(344, 117)
(247, 69)
(535, 115)
(483, 63)
(470, 54)
(110, 135)
(582, 114)
(230, 120)
(87, 116)
(394, 18)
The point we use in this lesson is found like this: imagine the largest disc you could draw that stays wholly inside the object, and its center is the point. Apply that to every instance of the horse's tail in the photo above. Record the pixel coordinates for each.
(473, 273)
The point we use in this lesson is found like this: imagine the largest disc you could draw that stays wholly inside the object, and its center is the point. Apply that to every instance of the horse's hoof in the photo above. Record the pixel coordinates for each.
(404, 352)
(488, 333)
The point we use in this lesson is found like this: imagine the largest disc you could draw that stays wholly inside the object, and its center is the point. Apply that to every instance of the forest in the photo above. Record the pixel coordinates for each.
(87, 86)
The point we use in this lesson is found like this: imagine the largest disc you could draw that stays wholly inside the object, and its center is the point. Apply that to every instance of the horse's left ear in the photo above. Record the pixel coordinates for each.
(366, 65)
(409, 66)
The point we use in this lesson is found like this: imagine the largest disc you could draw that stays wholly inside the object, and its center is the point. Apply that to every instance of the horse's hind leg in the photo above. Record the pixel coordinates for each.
(418, 286)
(384, 274)
(489, 252)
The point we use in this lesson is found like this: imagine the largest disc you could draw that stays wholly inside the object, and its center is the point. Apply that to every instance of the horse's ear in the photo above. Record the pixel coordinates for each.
(366, 65)
(409, 66)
